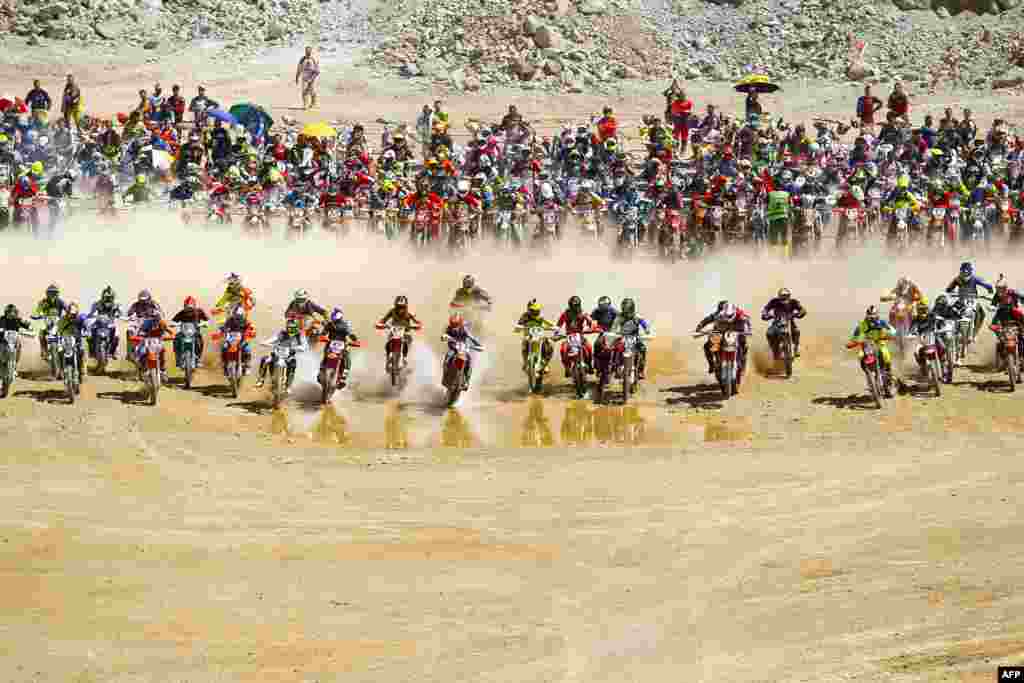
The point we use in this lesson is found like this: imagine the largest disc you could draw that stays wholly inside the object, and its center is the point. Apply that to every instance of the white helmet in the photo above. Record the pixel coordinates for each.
(858, 193)
(463, 186)
(546, 191)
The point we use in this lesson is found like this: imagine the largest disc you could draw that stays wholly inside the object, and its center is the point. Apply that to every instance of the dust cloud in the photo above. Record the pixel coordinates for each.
(363, 274)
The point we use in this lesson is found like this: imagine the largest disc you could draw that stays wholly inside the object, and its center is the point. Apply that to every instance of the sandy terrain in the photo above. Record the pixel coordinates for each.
(791, 534)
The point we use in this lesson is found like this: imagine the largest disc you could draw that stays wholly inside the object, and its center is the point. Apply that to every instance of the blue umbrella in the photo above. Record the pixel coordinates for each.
(248, 113)
(221, 115)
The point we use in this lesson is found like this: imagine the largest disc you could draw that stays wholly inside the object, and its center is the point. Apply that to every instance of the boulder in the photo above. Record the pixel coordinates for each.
(111, 30)
(275, 31)
(907, 5)
(151, 44)
(593, 7)
(524, 69)
(547, 37)
(553, 68)
(531, 25)
(472, 83)
(1010, 79)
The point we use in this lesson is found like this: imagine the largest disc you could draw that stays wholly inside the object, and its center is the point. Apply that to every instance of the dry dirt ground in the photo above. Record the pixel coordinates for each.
(792, 533)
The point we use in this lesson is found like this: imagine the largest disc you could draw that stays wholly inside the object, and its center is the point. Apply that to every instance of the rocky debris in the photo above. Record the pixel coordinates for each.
(554, 45)
(244, 26)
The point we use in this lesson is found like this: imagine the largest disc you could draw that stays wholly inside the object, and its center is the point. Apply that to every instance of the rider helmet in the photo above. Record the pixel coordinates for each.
(628, 307)
(190, 302)
(292, 328)
(336, 315)
(52, 292)
(784, 293)
(546, 191)
(858, 193)
(468, 282)
(575, 304)
(922, 309)
(401, 302)
(604, 303)
(966, 269)
(871, 314)
(462, 186)
(533, 308)
(301, 296)
(37, 168)
(11, 311)
(144, 295)
(903, 182)
(727, 313)
(71, 310)
(140, 179)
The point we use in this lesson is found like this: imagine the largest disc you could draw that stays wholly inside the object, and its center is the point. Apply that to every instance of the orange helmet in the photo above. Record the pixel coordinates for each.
(456, 320)
(190, 302)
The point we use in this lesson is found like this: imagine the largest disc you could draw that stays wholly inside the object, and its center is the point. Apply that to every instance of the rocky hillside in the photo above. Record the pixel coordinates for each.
(576, 44)
(243, 25)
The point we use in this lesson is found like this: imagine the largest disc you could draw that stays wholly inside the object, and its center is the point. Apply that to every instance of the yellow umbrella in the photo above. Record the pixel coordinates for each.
(319, 130)
(756, 83)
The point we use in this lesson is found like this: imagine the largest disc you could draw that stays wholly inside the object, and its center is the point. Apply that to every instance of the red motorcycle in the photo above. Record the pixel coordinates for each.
(334, 373)
(672, 236)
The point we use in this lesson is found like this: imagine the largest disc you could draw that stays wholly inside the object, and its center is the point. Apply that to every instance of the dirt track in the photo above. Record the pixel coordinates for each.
(791, 534)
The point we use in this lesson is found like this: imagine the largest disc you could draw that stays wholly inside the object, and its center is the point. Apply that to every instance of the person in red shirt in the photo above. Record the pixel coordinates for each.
(899, 103)
(682, 107)
(853, 198)
(607, 126)
(575, 321)
(425, 200)
(867, 105)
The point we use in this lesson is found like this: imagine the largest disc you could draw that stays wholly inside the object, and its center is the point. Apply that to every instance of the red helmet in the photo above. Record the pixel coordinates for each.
(190, 302)
(456, 320)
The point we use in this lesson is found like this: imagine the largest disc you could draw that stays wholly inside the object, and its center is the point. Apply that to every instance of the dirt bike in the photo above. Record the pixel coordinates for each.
(729, 362)
(52, 345)
(332, 376)
(938, 235)
(453, 378)
(782, 330)
(587, 219)
(300, 216)
(932, 356)
(311, 327)
(946, 338)
(282, 374)
(871, 363)
(9, 344)
(231, 357)
(71, 370)
(899, 230)
(575, 365)
(622, 361)
(186, 350)
(535, 368)
(547, 229)
(965, 331)
(899, 318)
(5, 199)
(149, 367)
(101, 332)
(671, 236)
(508, 227)
(394, 362)
(256, 222)
(1008, 351)
(852, 227)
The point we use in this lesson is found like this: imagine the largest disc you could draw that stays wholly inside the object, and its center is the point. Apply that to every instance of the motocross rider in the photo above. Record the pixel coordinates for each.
(302, 306)
(628, 319)
(603, 316)
(139, 191)
(338, 329)
(575, 321)
(72, 324)
(13, 322)
(785, 304)
(190, 313)
(290, 337)
(458, 331)
(470, 293)
(238, 322)
(874, 329)
(108, 306)
(966, 286)
(924, 320)
(530, 319)
(727, 318)
(234, 294)
(401, 316)
(50, 306)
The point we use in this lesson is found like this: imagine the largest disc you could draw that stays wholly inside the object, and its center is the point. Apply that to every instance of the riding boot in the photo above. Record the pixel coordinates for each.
(796, 342)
